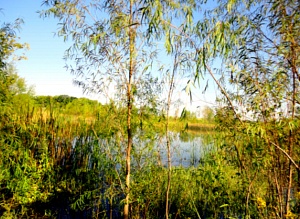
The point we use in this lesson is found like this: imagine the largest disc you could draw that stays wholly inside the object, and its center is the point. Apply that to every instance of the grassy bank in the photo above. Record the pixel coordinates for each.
(55, 164)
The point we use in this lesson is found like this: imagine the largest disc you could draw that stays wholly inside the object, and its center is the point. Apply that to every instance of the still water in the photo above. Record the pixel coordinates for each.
(187, 149)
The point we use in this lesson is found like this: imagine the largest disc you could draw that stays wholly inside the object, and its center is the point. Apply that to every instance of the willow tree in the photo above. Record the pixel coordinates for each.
(9, 45)
(258, 45)
(114, 42)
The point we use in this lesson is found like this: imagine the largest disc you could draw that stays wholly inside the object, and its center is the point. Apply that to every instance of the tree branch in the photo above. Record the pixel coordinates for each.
(286, 154)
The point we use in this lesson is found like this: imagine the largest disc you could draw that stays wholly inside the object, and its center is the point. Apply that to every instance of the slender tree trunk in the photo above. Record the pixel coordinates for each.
(290, 180)
(278, 189)
(129, 107)
(169, 166)
(291, 134)
(168, 137)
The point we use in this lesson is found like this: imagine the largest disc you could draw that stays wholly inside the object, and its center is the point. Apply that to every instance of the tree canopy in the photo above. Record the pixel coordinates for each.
(49, 151)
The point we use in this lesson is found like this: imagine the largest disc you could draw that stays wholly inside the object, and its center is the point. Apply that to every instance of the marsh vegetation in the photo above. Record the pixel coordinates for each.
(67, 157)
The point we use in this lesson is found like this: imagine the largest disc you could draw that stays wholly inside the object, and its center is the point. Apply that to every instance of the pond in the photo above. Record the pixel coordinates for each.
(187, 148)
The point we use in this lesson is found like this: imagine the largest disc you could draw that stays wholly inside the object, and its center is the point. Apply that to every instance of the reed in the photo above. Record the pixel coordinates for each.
(53, 165)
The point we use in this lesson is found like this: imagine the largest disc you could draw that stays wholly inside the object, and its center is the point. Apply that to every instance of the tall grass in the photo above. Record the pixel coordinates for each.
(54, 166)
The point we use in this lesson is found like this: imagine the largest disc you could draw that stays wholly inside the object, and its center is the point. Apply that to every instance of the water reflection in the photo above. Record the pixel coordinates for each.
(187, 148)
(99, 164)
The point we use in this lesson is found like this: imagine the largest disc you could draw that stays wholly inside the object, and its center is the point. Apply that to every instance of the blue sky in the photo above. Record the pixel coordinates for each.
(45, 65)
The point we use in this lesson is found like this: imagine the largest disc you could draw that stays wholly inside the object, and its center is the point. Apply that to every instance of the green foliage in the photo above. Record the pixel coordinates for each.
(210, 191)
(57, 101)
(10, 83)
(258, 43)
(208, 114)
(116, 42)
(9, 43)
(68, 153)
(82, 106)
(188, 116)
